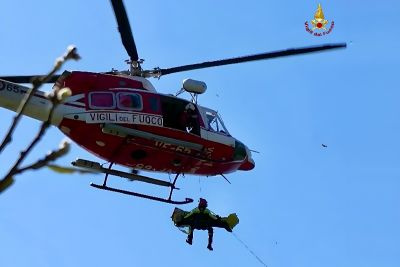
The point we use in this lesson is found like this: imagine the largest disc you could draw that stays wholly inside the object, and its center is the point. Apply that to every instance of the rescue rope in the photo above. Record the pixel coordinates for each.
(199, 185)
(249, 250)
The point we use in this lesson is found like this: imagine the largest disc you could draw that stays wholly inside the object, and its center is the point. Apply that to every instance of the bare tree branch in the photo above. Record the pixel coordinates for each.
(37, 83)
(50, 157)
(56, 96)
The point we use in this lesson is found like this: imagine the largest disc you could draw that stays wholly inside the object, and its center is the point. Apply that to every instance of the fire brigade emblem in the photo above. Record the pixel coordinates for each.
(320, 26)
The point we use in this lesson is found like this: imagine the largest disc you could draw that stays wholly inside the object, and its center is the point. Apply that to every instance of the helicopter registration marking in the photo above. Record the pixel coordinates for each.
(12, 88)
(119, 117)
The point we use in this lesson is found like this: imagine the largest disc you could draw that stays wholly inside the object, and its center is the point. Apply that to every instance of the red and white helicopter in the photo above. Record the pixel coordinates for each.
(120, 117)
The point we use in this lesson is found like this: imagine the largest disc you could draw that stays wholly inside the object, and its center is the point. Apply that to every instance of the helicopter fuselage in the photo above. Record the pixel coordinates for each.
(122, 119)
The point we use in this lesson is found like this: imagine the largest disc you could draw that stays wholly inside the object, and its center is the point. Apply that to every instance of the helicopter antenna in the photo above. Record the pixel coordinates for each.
(225, 178)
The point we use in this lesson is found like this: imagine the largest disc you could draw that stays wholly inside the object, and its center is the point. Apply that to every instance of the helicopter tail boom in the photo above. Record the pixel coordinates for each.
(12, 94)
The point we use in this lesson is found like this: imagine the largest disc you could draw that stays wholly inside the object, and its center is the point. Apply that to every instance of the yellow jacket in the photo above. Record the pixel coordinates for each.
(198, 211)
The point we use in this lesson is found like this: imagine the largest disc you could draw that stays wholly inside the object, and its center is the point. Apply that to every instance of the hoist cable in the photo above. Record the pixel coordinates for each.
(199, 185)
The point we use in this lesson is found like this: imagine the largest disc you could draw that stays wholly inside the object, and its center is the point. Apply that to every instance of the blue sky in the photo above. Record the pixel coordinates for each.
(303, 205)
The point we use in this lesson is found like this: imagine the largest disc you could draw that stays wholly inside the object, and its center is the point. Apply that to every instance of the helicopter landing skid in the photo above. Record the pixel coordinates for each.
(95, 166)
(170, 201)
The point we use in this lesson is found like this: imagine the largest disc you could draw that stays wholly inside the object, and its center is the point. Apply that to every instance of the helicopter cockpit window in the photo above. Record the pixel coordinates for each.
(215, 123)
(129, 101)
(101, 100)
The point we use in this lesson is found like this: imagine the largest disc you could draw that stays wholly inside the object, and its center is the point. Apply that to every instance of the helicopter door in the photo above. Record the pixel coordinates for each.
(180, 114)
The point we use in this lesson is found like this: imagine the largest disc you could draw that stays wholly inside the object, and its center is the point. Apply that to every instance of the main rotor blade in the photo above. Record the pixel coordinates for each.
(262, 56)
(27, 78)
(125, 29)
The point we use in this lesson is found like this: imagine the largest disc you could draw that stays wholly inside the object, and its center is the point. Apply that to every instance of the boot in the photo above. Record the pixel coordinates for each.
(210, 240)
(189, 239)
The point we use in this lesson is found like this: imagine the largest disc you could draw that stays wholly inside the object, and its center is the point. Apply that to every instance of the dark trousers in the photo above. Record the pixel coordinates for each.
(210, 234)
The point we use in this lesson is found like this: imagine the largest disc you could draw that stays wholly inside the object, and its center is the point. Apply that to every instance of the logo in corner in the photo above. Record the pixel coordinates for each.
(320, 26)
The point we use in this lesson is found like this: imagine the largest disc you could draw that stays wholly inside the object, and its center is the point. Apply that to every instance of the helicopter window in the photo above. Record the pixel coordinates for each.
(212, 121)
(130, 101)
(103, 100)
(215, 123)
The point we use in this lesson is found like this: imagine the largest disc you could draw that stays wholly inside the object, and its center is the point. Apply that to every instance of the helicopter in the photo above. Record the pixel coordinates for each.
(120, 117)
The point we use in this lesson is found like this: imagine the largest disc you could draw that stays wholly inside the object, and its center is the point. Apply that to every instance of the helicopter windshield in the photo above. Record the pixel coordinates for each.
(214, 122)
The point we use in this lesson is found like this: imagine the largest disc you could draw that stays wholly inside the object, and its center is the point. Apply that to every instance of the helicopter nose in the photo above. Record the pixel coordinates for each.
(248, 163)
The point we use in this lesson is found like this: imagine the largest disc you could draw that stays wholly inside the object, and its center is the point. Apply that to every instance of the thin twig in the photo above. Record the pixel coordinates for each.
(50, 157)
(56, 96)
(14, 170)
(37, 83)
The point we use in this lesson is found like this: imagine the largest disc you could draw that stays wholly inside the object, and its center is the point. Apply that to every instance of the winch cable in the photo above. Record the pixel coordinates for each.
(249, 250)
(199, 185)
